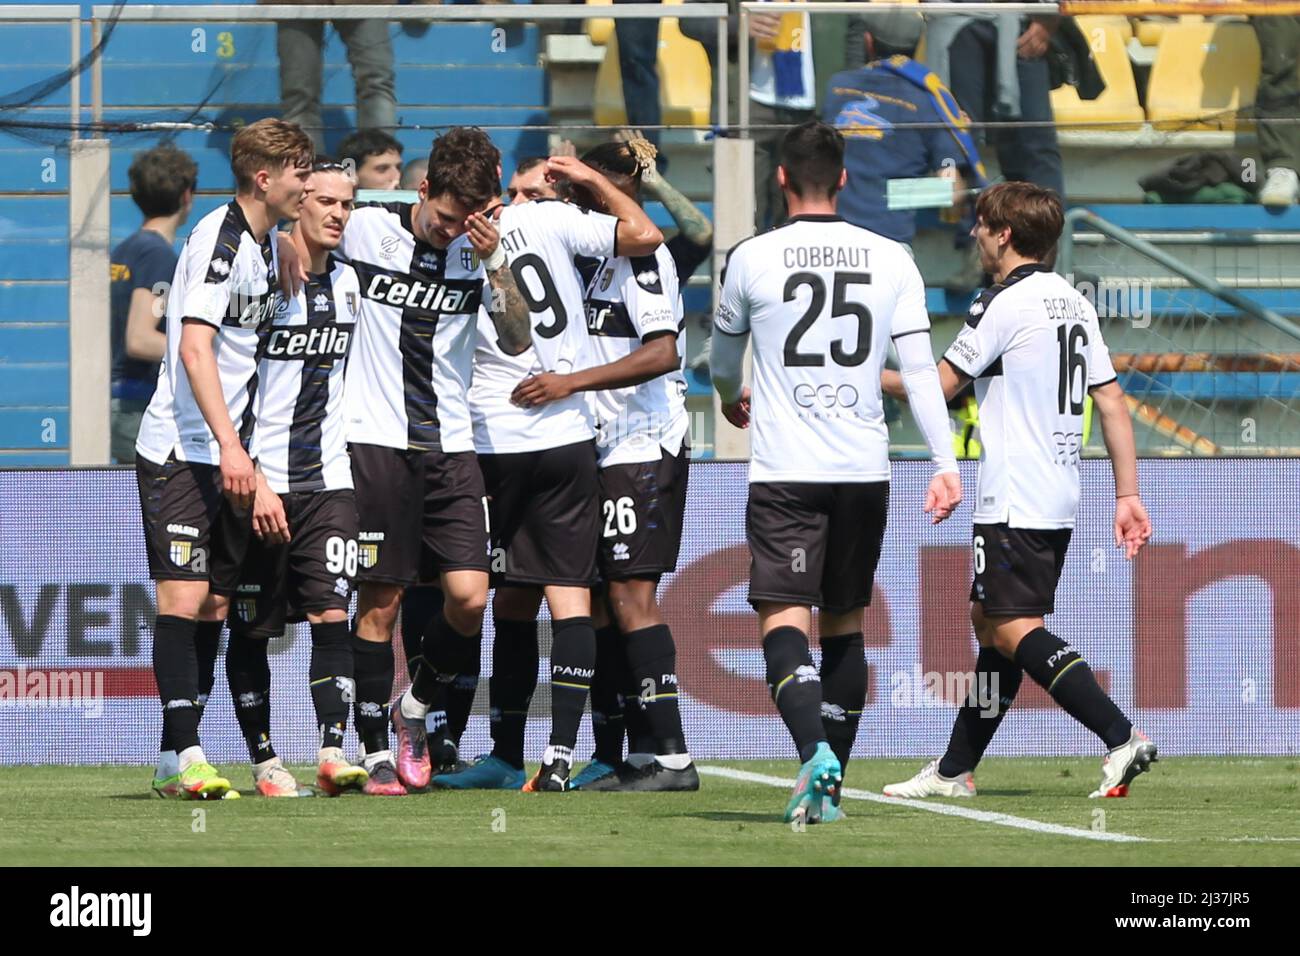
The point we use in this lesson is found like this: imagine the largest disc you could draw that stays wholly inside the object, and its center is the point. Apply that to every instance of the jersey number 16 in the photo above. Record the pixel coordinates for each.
(1074, 362)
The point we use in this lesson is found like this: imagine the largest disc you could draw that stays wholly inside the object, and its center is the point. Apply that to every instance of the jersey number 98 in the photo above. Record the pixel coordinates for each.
(341, 556)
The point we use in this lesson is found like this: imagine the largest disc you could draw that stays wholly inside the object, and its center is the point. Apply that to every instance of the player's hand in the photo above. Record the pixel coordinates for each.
(737, 412)
(238, 479)
(1034, 41)
(269, 522)
(293, 270)
(765, 26)
(483, 235)
(565, 147)
(1132, 525)
(541, 389)
(569, 169)
(943, 496)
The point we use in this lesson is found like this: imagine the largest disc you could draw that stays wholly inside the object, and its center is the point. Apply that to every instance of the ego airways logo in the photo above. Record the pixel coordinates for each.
(825, 396)
(76, 909)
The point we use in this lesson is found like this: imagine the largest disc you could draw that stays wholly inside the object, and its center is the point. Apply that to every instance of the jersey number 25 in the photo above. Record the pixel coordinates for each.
(840, 305)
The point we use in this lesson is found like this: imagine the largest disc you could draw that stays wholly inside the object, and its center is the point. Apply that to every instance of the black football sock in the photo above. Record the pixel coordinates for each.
(996, 682)
(249, 675)
(573, 662)
(511, 686)
(795, 687)
(372, 669)
(1056, 667)
(652, 660)
(844, 691)
(207, 644)
(175, 670)
(441, 653)
(461, 691)
(420, 602)
(636, 721)
(606, 700)
(330, 676)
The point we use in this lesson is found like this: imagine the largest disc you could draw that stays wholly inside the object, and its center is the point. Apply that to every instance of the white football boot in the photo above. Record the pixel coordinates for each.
(1124, 763)
(929, 783)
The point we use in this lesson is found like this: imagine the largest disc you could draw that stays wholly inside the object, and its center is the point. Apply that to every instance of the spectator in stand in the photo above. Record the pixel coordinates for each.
(413, 173)
(300, 42)
(638, 59)
(793, 57)
(1279, 93)
(996, 66)
(376, 157)
(878, 108)
(162, 184)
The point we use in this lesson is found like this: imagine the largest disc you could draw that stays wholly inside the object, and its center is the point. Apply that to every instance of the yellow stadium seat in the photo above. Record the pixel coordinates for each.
(601, 29)
(1203, 74)
(685, 82)
(1149, 32)
(1118, 104)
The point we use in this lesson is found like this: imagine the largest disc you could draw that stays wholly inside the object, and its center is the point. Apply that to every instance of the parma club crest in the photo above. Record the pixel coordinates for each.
(181, 552)
(468, 259)
(368, 555)
(353, 301)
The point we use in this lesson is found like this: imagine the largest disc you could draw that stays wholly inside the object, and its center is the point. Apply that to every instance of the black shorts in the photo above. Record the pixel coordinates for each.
(419, 513)
(815, 544)
(1016, 569)
(545, 515)
(192, 531)
(642, 505)
(313, 572)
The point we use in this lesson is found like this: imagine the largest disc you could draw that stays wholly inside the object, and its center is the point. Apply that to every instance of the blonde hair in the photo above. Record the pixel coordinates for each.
(270, 144)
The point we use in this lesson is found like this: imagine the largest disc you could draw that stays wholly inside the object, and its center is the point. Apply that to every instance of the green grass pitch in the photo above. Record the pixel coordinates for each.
(1190, 811)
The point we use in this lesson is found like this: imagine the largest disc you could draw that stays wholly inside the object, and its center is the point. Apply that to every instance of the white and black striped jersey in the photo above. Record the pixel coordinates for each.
(226, 278)
(1034, 347)
(411, 364)
(822, 298)
(629, 301)
(298, 437)
(541, 239)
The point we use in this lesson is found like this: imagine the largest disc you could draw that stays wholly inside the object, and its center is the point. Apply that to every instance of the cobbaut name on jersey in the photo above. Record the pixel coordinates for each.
(429, 296)
(323, 340)
(826, 257)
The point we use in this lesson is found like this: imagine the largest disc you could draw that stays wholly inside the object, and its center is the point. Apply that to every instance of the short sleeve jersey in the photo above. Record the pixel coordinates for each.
(1034, 347)
(541, 239)
(226, 278)
(822, 299)
(298, 437)
(409, 372)
(631, 300)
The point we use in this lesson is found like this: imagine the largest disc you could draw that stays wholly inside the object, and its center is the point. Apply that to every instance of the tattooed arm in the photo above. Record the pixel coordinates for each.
(508, 310)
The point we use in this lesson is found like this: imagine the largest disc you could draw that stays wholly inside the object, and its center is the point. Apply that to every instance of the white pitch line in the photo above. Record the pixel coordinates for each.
(944, 809)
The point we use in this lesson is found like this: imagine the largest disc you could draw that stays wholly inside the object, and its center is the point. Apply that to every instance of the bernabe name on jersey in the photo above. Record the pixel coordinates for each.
(452, 295)
(319, 342)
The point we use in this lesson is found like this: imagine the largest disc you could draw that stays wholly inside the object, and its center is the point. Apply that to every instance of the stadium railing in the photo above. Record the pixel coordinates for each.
(727, 140)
